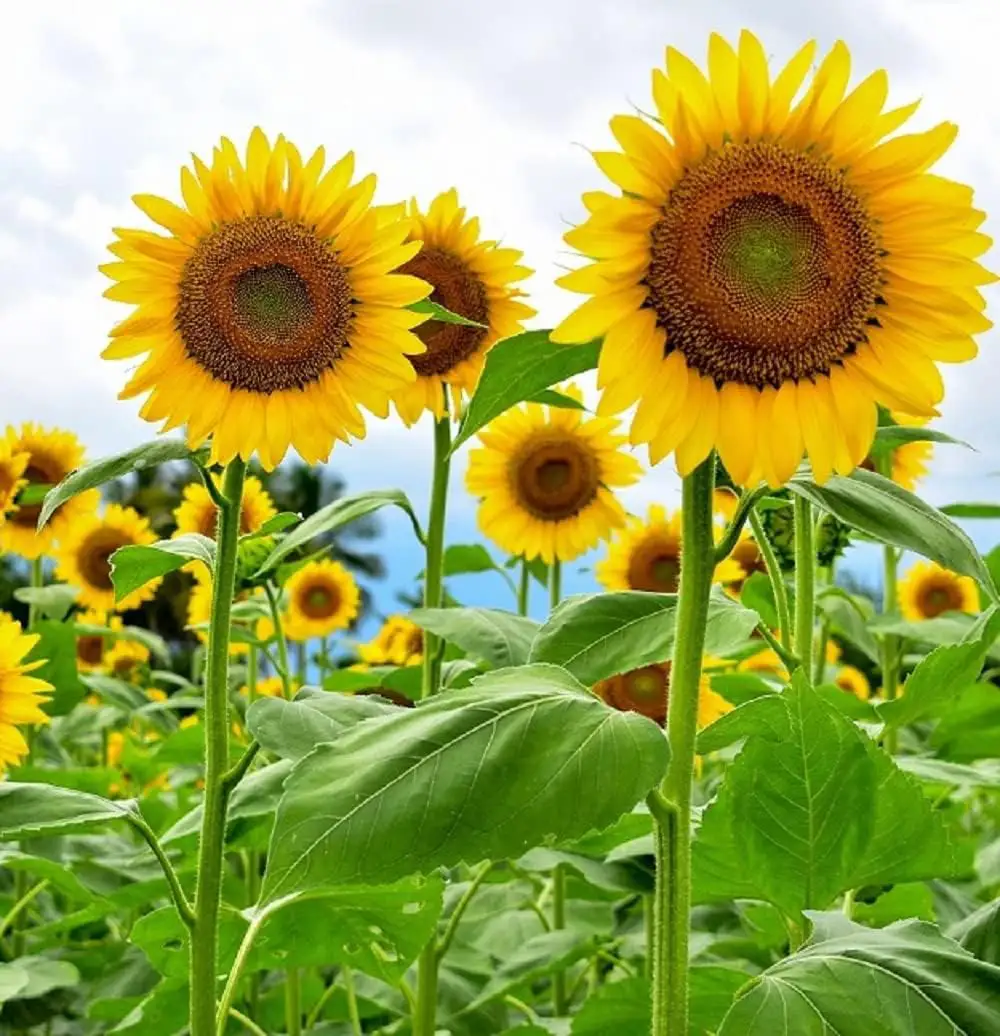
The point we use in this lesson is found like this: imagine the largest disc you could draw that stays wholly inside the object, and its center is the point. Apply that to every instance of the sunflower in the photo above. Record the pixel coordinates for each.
(646, 691)
(928, 590)
(92, 648)
(200, 607)
(472, 278)
(51, 454)
(399, 642)
(125, 657)
(545, 477)
(724, 503)
(269, 311)
(268, 687)
(767, 662)
(854, 682)
(21, 695)
(646, 555)
(85, 551)
(322, 598)
(774, 266)
(197, 511)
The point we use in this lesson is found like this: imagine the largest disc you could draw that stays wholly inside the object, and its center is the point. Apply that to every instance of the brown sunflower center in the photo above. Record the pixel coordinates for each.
(90, 649)
(40, 471)
(264, 305)
(642, 690)
(655, 566)
(208, 520)
(319, 600)
(765, 266)
(458, 289)
(555, 478)
(937, 597)
(94, 556)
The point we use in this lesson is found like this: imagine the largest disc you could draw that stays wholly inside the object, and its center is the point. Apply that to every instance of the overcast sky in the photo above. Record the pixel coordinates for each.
(107, 98)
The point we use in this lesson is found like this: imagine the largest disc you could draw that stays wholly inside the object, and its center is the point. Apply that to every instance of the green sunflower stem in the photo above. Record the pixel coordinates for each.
(425, 1009)
(280, 639)
(672, 897)
(805, 584)
(523, 588)
(560, 1000)
(777, 579)
(211, 847)
(890, 642)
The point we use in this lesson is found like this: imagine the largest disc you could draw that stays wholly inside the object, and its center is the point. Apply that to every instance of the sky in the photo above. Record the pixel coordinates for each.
(105, 100)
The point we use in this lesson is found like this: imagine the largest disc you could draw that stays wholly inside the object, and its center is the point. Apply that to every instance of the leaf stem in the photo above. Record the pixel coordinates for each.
(293, 1002)
(478, 877)
(732, 534)
(236, 972)
(273, 605)
(16, 910)
(176, 892)
(805, 583)
(352, 1002)
(777, 578)
(672, 907)
(248, 1023)
(211, 848)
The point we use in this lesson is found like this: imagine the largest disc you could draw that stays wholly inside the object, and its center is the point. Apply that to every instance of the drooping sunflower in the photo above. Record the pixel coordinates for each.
(322, 598)
(269, 310)
(51, 455)
(197, 511)
(398, 642)
(928, 590)
(85, 551)
(92, 648)
(21, 695)
(646, 690)
(546, 477)
(854, 682)
(472, 278)
(777, 264)
(646, 555)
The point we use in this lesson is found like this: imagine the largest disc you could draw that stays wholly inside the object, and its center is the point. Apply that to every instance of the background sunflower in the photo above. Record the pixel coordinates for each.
(928, 590)
(647, 691)
(21, 695)
(322, 598)
(197, 511)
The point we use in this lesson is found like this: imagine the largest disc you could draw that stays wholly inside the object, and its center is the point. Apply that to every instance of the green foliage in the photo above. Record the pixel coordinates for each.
(134, 566)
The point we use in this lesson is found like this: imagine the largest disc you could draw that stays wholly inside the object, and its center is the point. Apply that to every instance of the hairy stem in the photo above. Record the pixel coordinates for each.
(805, 584)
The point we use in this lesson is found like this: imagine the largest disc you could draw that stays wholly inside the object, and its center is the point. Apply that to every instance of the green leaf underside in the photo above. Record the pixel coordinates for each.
(54, 601)
(134, 566)
(517, 369)
(499, 638)
(971, 510)
(903, 980)
(159, 451)
(335, 516)
(898, 435)
(30, 810)
(418, 790)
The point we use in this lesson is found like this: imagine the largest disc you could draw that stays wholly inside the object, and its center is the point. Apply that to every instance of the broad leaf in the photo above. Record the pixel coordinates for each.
(946, 670)
(90, 476)
(894, 435)
(877, 506)
(31, 810)
(335, 516)
(619, 1007)
(57, 645)
(971, 510)
(979, 933)
(419, 790)
(275, 524)
(910, 979)
(467, 558)
(850, 618)
(517, 369)
(595, 636)
(136, 565)
(499, 638)
(53, 602)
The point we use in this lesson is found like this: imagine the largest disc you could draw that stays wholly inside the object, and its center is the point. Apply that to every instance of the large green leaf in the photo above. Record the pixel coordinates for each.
(28, 978)
(52, 602)
(979, 933)
(159, 451)
(903, 980)
(811, 807)
(499, 638)
(518, 368)
(595, 636)
(971, 510)
(338, 514)
(30, 810)
(877, 506)
(57, 646)
(520, 758)
(134, 566)
(948, 669)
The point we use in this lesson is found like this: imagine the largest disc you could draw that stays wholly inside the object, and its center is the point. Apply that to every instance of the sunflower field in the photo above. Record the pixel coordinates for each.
(729, 792)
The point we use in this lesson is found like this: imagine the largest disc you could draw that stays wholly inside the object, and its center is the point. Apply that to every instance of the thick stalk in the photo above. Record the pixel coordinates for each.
(425, 1010)
(672, 908)
(805, 583)
(523, 588)
(890, 641)
(211, 848)
(253, 856)
(37, 581)
(559, 998)
(777, 578)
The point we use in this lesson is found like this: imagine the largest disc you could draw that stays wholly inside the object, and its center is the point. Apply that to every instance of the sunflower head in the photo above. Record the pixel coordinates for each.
(21, 695)
(36, 456)
(126, 658)
(853, 681)
(322, 598)
(470, 277)
(647, 691)
(270, 309)
(84, 557)
(545, 477)
(92, 648)
(399, 642)
(268, 687)
(777, 263)
(928, 590)
(197, 511)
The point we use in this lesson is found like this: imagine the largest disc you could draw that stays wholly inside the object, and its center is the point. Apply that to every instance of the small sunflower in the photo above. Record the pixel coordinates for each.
(928, 590)
(92, 648)
(646, 690)
(269, 310)
(646, 555)
(322, 598)
(21, 695)
(472, 278)
(85, 551)
(767, 662)
(399, 642)
(125, 658)
(776, 265)
(197, 511)
(854, 682)
(545, 478)
(51, 455)
(268, 687)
